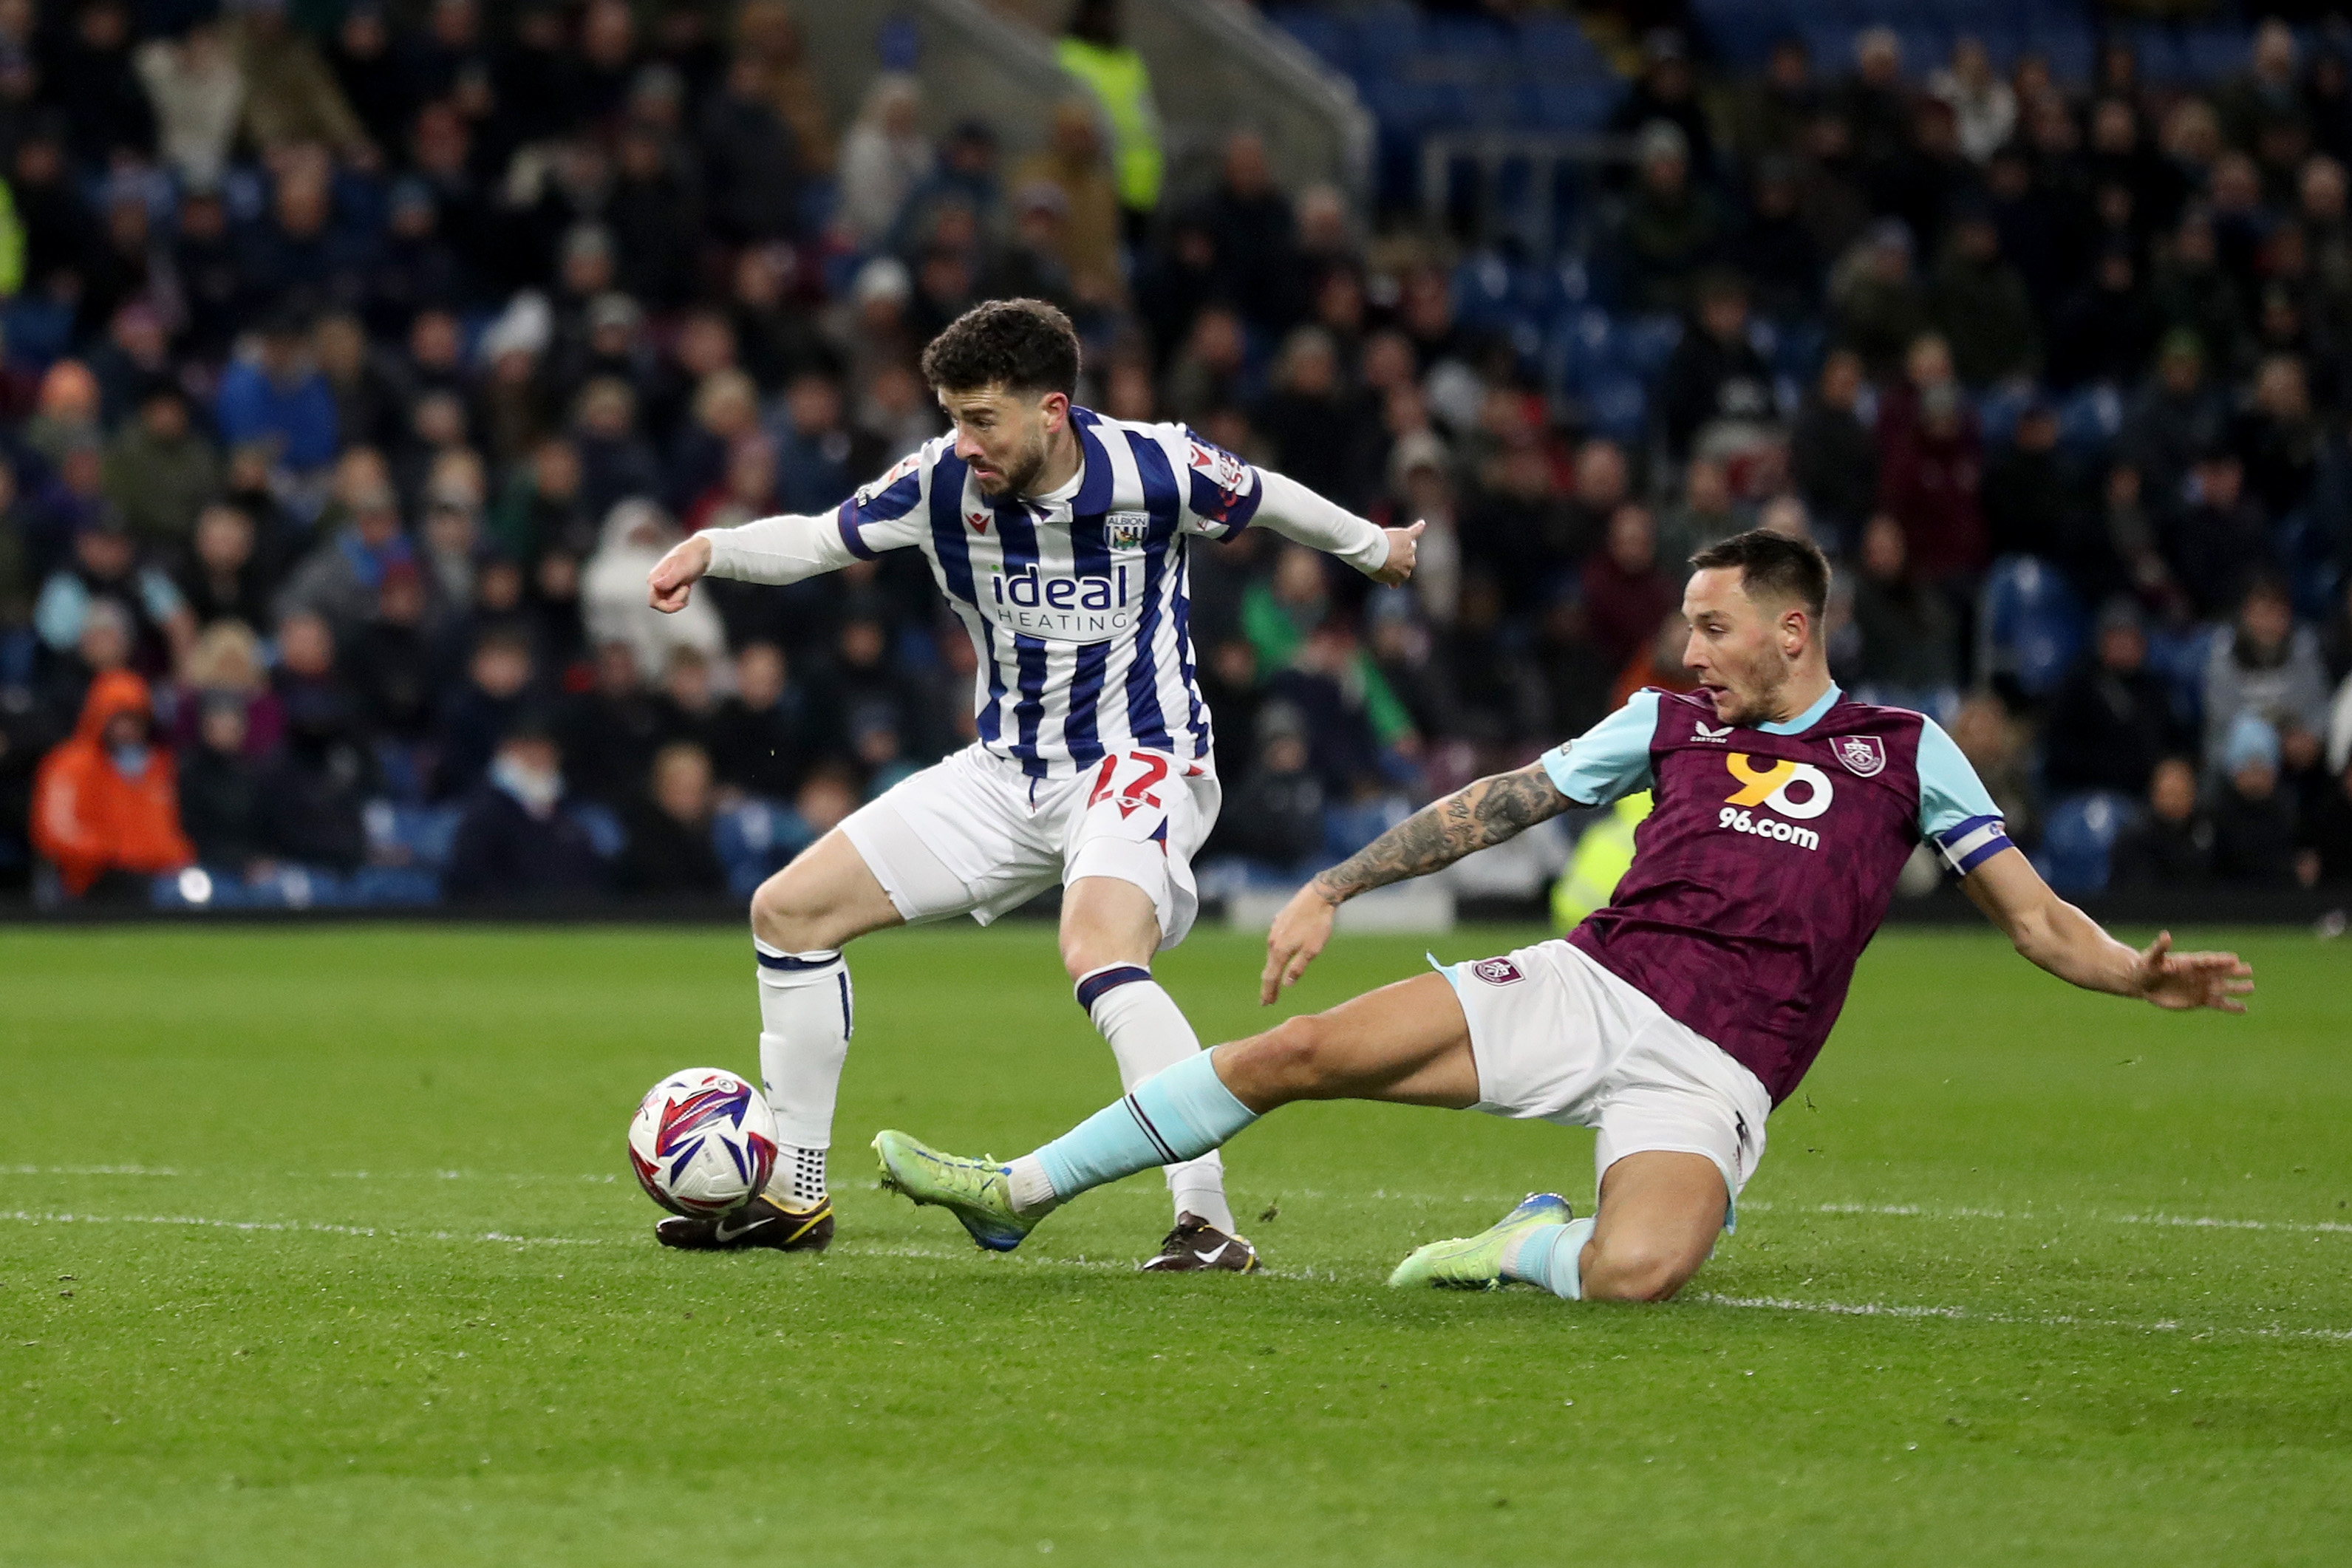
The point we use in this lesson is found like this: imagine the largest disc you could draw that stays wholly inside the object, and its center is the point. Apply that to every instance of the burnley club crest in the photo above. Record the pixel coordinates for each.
(1864, 756)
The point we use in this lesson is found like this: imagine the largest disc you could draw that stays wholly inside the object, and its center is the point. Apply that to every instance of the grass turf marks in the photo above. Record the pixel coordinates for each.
(358, 1270)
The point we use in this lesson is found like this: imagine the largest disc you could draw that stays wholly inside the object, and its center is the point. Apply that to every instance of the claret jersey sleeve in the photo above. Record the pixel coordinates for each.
(1957, 814)
(1609, 761)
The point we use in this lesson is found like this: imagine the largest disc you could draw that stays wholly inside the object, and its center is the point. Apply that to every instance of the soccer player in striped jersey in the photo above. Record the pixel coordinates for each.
(1058, 537)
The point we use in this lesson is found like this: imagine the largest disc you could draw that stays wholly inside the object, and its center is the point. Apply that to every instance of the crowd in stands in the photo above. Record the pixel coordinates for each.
(360, 361)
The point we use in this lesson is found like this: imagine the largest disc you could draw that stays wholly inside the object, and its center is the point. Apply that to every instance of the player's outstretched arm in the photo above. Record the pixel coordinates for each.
(772, 550)
(2070, 944)
(1386, 555)
(672, 580)
(1484, 812)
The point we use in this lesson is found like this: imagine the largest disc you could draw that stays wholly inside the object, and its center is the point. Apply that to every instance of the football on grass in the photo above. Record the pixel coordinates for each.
(702, 1142)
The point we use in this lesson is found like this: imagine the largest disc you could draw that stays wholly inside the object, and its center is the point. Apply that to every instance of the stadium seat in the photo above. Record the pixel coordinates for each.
(1649, 342)
(755, 840)
(413, 834)
(2077, 838)
(2030, 625)
(2180, 657)
(1997, 413)
(602, 825)
(1348, 829)
(1617, 406)
(2089, 419)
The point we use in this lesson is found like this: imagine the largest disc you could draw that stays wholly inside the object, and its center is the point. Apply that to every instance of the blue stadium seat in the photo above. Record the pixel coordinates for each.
(416, 834)
(1587, 343)
(755, 839)
(1331, 39)
(2178, 659)
(2077, 838)
(290, 886)
(1997, 413)
(1574, 105)
(2212, 56)
(2068, 45)
(2089, 419)
(1649, 342)
(2030, 625)
(1617, 406)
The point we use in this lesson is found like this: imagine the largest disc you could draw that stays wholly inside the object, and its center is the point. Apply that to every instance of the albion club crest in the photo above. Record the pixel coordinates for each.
(1864, 756)
(1127, 530)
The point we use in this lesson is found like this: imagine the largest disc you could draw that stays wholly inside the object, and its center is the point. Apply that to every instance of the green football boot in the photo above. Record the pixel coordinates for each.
(1475, 1262)
(975, 1191)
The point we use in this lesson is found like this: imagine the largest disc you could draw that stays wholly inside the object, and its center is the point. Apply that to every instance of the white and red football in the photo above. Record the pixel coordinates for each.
(702, 1142)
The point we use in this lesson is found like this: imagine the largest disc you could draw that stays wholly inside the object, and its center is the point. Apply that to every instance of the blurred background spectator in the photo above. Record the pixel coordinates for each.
(356, 362)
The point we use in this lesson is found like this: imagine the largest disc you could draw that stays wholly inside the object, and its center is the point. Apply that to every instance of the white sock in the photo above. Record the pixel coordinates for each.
(1031, 1190)
(1146, 1032)
(806, 1014)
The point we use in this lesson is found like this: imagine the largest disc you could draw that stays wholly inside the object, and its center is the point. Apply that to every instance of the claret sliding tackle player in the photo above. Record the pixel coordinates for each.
(1058, 537)
(1674, 1020)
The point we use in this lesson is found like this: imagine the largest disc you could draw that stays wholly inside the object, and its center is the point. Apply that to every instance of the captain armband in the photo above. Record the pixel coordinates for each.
(1972, 843)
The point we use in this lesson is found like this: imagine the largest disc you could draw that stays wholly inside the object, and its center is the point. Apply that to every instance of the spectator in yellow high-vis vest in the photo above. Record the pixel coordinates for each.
(1094, 51)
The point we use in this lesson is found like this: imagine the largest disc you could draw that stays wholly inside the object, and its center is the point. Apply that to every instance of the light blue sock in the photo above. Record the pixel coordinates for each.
(1552, 1258)
(1178, 1113)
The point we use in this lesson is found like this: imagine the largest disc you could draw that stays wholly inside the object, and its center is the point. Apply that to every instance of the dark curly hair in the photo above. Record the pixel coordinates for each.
(1022, 345)
(1774, 564)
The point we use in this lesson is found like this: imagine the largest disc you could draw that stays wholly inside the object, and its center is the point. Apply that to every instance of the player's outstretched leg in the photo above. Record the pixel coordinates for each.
(801, 917)
(1406, 1043)
(978, 1193)
(1110, 930)
(1660, 1212)
(1484, 1262)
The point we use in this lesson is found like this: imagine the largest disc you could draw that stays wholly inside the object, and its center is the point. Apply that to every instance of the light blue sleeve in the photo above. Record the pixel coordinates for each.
(160, 595)
(1956, 813)
(58, 613)
(1609, 761)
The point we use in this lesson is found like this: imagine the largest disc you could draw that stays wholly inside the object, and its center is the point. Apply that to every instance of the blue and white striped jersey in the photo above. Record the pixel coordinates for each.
(1077, 603)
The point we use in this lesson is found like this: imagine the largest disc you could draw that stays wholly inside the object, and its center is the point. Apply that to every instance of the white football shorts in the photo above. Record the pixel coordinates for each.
(1558, 1037)
(972, 835)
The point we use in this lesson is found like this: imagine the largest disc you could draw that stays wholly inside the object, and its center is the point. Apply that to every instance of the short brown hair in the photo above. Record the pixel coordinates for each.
(1773, 564)
(1022, 345)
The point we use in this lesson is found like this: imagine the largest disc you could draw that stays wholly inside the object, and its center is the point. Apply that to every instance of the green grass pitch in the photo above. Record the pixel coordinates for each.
(319, 1247)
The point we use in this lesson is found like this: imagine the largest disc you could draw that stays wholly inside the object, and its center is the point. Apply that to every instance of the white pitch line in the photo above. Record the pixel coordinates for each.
(1916, 1211)
(1967, 1315)
(313, 1226)
(1767, 1303)
(87, 1170)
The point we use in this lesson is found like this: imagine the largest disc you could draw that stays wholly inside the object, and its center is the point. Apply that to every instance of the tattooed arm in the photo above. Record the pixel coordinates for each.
(1473, 816)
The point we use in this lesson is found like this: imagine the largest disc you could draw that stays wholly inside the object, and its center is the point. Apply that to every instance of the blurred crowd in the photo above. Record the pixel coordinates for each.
(360, 361)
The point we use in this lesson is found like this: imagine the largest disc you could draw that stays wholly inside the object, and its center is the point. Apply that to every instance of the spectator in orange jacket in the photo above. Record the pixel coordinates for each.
(105, 800)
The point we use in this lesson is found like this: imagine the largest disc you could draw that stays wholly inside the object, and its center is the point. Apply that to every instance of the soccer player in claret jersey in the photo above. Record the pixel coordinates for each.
(1674, 1020)
(1058, 537)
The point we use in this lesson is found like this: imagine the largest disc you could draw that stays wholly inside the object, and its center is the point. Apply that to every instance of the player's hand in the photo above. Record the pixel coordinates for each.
(672, 577)
(1404, 545)
(1299, 933)
(2182, 981)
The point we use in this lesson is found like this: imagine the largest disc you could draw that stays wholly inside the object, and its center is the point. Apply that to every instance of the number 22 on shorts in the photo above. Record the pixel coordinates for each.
(1150, 769)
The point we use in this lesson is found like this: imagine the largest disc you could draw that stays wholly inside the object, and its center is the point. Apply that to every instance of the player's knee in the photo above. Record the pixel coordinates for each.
(1084, 952)
(1292, 1060)
(1633, 1268)
(786, 914)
